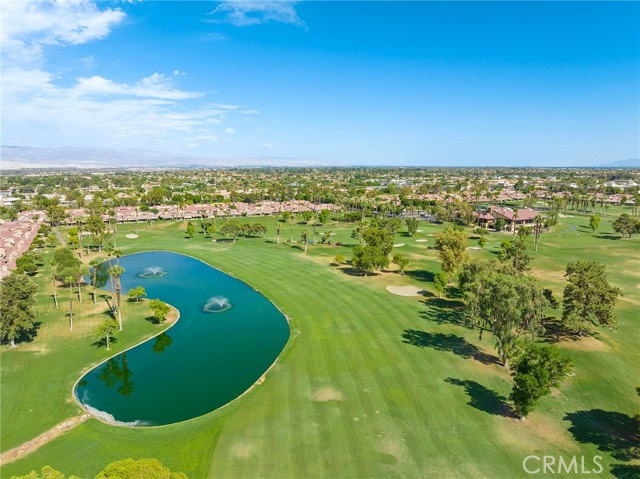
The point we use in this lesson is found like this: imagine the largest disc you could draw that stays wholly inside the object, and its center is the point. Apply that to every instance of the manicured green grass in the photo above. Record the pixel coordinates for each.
(370, 384)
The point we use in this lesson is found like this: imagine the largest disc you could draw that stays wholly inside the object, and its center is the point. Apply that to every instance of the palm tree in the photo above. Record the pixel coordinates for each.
(94, 274)
(82, 272)
(53, 279)
(278, 229)
(79, 226)
(538, 221)
(304, 237)
(115, 272)
(70, 280)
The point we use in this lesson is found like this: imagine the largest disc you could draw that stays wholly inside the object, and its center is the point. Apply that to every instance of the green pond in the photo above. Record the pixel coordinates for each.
(227, 337)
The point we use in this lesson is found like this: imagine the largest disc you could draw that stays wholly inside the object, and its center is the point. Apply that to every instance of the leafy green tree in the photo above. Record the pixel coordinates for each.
(369, 258)
(137, 293)
(515, 253)
(412, 225)
(535, 372)
(286, 216)
(147, 468)
(47, 472)
(159, 310)
(482, 241)
(340, 259)
(323, 216)
(56, 215)
(401, 260)
(588, 300)
(500, 224)
(594, 222)
(191, 229)
(509, 305)
(211, 231)
(451, 246)
(440, 281)
(107, 331)
(231, 228)
(626, 225)
(17, 301)
(26, 264)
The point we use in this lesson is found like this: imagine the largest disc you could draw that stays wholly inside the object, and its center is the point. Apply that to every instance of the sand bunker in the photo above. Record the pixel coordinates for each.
(405, 290)
(421, 241)
(474, 248)
(398, 245)
(131, 236)
(327, 394)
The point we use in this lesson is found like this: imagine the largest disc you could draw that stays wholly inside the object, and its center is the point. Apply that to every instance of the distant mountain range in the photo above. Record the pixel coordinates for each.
(19, 157)
(630, 163)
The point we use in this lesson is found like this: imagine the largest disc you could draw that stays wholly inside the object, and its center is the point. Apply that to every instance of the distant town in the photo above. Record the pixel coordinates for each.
(494, 198)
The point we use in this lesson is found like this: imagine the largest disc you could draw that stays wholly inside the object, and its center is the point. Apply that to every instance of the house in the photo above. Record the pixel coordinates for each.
(513, 218)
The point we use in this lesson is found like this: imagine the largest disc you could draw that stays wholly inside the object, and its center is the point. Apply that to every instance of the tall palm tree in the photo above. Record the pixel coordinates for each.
(70, 280)
(539, 222)
(53, 279)
(278, 229)
(116, 271)
(304, 237)
(94, 275)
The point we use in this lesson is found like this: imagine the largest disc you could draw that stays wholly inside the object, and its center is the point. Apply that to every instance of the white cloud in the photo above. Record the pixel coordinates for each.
(42, 108)
(229, 131)
(154, 86)
(267, 145)
(29, 25)
(247, 12)
(193, 139)
(98, 112)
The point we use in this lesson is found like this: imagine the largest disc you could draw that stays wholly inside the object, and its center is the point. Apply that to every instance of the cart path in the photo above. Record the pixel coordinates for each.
(34, 444)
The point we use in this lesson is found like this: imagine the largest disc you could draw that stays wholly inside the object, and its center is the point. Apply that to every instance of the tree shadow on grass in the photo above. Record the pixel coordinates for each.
(153, 320)
(102, 342)
(610, 431)
(555, 331)
(420, 275)
(608, 237)
(483, 398)
(351, 271)
(447, 342)
(26, 336)
(625, 471)
(443, 311)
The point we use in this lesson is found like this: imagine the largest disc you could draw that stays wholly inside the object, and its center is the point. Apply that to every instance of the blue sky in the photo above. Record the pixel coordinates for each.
(404, 83)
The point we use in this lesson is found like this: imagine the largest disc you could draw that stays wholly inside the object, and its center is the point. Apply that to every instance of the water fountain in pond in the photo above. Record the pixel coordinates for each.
(216, 304)
(153, 272)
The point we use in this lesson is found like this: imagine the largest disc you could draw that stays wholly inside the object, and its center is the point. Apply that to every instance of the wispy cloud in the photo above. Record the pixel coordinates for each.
(154, 86)
(27, 26)
(243, 13)
(42, 108)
